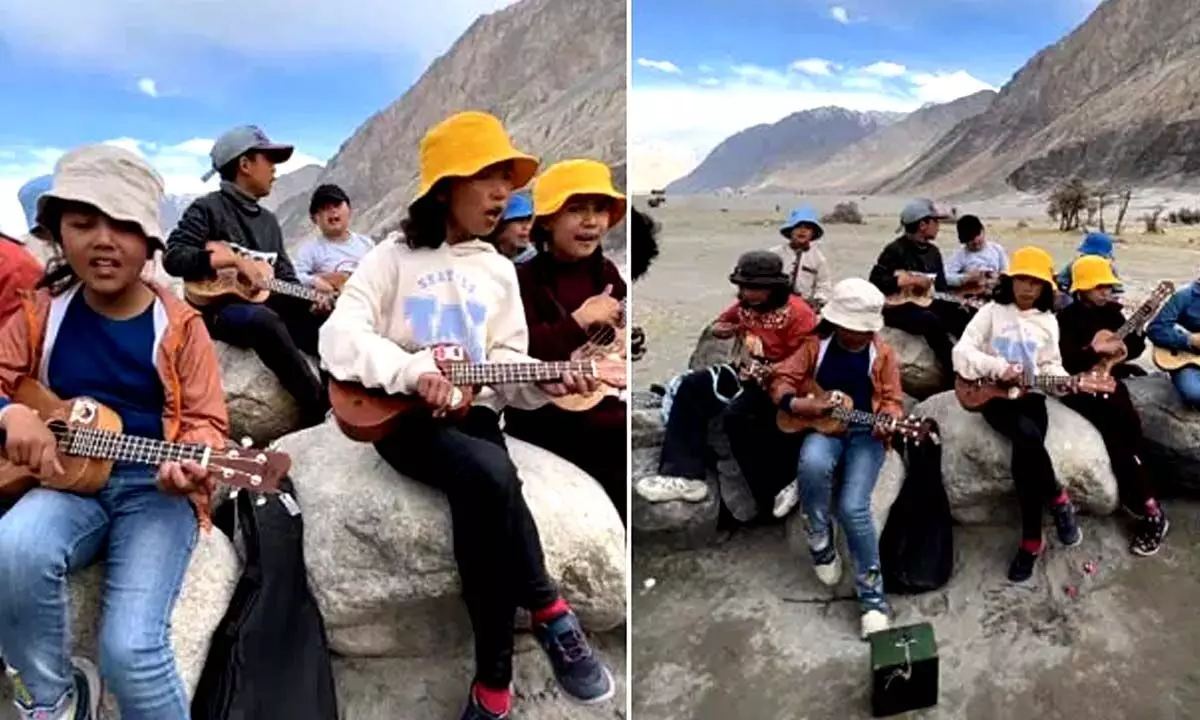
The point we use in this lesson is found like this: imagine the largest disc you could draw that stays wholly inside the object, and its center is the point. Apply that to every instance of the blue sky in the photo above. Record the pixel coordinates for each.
(166, 78)
(705, 69)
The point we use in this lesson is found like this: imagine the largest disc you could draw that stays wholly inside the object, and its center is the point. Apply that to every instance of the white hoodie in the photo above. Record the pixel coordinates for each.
(1000, 335)
(401, 301)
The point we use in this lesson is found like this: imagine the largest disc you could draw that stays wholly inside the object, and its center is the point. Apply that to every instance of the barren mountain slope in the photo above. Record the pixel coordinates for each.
(560, 91)
(1116, 100)
(743, 160)
(882, 154)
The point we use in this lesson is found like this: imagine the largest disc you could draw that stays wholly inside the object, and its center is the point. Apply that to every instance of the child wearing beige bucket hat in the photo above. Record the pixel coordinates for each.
(442, 284)
(572, 295)
(98, 330)
(847, 355)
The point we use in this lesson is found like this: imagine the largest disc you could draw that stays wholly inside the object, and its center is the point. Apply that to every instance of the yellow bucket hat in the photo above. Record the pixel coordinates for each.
(466, 143)
(1090, 272)
(1032, 262)
(564, 179)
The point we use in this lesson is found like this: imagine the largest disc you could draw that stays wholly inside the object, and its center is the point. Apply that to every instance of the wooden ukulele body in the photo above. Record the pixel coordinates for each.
(974, 394)
(81, 474)
(229, 282)
(580, 403)
(1172, 360)
(370, 414)
(825, 424)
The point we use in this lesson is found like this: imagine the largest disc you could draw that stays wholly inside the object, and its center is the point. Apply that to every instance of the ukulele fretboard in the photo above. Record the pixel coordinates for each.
(294, 289)
(105, 445)
(515, 373)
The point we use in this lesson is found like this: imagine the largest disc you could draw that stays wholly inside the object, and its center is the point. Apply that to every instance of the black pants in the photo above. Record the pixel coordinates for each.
(766, 457)
(936, 324)
(496, 542)
(1024, 421)
(1119, 424)
(280, 331)
(595, 440)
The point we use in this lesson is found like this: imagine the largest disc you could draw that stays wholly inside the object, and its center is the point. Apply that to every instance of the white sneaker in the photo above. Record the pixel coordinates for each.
(874, 621)
(665, 488)
(827, 562)
(788, 498)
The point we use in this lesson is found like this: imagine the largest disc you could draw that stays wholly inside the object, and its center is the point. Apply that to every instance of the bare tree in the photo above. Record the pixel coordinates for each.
(1101, 200)
(1125, 196)
(1066, 202)
(1151, 220)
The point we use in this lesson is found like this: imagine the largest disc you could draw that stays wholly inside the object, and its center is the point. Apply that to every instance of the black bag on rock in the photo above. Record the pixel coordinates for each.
(916, 549)
(269, 658)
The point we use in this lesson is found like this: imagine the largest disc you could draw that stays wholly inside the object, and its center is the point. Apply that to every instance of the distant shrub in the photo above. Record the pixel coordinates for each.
(1185, 216)
(846, 213)
(1021, 224)
(1150, 220)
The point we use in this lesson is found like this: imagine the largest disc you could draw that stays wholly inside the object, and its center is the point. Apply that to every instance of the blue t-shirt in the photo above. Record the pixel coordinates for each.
(849, 372)
(111, 361)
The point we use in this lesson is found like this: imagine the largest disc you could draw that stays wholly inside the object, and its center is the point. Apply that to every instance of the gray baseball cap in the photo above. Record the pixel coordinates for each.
(919, 209)
(241, 140)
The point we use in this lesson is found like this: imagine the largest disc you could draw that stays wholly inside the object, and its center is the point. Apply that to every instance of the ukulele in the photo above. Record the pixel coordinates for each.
(370, 414)
(90, 440)
(235, 282)
(1135, 323)
(842, 415)
(607, 342)
(924, 297)
(974, 394)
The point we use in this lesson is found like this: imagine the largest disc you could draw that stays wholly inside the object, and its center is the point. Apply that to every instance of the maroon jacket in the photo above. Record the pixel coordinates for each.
(551, 290)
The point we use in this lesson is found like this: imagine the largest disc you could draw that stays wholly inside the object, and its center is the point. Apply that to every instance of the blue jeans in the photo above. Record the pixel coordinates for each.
(861, 456)
(148, 538)
(1187, 383)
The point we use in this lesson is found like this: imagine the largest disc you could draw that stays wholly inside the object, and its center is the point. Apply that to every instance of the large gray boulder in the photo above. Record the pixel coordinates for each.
(976, 461)
(207, 589)
(921, 375)
(380, 556)
(677, 524)
(1172, 432)
(259, 407)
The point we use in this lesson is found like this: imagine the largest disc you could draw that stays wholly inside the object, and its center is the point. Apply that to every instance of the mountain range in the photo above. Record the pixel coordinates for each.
(1098, 105)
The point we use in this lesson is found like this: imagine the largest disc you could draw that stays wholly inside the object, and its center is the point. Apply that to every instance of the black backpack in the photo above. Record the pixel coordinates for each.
(269, 658)
(916, 549)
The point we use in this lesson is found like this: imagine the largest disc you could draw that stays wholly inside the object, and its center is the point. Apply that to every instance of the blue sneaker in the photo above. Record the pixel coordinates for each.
(576, 667)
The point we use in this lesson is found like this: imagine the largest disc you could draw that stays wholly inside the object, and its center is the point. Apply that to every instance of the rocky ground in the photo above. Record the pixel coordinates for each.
(731, 622)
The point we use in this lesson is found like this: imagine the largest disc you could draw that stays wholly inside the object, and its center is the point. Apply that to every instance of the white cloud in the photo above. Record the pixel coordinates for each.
(673, 126)
(180, 164)
(814, 66)
(710, 81)
(661, 65)
(147, 86)
(885, 69)
(840, 14)
(138, 37)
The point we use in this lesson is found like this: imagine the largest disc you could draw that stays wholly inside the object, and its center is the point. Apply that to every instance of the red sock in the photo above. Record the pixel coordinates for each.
(1062, 499)
(1152, 508)
(496, 702)
(1033, 546)
(551, 612)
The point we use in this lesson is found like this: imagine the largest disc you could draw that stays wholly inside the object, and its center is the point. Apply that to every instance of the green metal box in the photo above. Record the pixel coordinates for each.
(904, 670)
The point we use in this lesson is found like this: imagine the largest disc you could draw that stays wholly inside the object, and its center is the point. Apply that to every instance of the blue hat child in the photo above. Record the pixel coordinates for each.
(28, 196)
(1096, 243)
(802, 215)
(519, 207)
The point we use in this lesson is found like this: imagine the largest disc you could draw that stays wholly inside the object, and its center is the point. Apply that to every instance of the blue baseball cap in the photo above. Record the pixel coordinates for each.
(519, 207)
(1096, 243)
(28, 196)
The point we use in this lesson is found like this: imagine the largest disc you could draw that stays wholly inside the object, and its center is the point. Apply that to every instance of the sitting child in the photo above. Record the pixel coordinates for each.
(1177, 327)
(846, 355)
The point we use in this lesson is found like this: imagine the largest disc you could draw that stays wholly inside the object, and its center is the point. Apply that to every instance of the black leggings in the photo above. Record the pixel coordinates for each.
(936, 324)
(1024, 421)
(1119, 425)
(496, 542)
(280, 331)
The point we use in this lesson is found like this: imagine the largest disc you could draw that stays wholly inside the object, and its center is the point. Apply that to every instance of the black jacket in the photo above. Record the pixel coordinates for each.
(1077, 327)
(227, 215)
(904, 253)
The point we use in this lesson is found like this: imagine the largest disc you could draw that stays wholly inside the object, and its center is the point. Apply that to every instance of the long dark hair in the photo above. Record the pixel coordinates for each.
(644, 243)
(425, 224)
(1004, 294)
(778, 297)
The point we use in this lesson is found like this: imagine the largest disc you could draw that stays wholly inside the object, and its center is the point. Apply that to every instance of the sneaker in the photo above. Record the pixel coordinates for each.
(1149, 535)
(1067, 524)
(874, 621)
(87, 690)
(827, 563)
(475, 711)
(1021, 568)
(665, 488)
(788, 498)
(576, 667)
